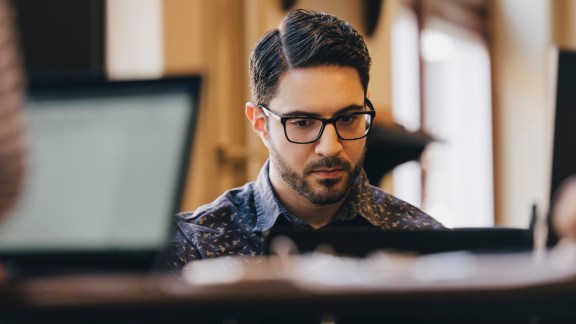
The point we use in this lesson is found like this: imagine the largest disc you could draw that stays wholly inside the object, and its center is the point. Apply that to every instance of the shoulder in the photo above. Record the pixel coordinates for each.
(211, 230)
(233, 208)
(396, 213)
(222, 227)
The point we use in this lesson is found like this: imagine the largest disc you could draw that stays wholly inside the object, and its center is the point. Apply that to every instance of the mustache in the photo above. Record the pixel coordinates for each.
(328, 163)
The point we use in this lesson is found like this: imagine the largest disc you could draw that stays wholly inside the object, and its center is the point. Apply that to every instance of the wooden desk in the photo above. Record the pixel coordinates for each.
(163, 299)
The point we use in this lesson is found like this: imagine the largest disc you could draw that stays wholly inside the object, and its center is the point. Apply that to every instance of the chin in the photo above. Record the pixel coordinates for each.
(327, 195)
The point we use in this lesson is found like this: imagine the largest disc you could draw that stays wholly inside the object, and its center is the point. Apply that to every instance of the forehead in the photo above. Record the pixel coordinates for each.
(321, 90)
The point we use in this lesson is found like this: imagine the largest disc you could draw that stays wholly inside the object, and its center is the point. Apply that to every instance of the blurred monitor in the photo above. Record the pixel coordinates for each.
(107, 164)
(564, 144)
(361, 242)
(563, 83)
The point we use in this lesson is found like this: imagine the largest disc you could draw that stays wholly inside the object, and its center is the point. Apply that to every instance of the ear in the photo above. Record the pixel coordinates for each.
(256, 117)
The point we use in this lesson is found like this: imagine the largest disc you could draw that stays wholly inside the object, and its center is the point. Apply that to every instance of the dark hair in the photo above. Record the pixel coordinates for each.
(305, 39)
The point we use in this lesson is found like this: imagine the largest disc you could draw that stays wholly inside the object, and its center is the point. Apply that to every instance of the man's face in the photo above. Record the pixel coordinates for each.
(323, 171)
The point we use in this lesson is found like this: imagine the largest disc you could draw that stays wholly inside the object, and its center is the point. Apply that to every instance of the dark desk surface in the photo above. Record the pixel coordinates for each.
(164, 299)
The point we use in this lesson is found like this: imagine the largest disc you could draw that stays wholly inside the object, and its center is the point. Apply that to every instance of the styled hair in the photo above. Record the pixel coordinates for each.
(305, 39)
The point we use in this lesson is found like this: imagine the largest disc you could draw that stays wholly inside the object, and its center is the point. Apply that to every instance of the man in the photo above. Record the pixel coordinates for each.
(309, 82)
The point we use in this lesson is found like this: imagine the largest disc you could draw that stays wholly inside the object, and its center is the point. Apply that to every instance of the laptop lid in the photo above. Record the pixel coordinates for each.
(106, 170)
(362, 241)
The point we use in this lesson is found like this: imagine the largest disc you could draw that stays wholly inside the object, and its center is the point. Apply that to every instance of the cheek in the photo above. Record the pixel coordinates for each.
(354, 150)
(296, 155)
(275, 133)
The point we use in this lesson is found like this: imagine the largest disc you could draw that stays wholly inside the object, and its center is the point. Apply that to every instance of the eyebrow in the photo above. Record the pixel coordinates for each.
(309, 114)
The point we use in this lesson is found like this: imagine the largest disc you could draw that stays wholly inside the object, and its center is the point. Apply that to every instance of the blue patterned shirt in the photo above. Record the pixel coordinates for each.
(236, 223)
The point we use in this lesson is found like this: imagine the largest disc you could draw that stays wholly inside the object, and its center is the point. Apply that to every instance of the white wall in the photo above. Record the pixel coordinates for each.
(134, 39)
(521, 41)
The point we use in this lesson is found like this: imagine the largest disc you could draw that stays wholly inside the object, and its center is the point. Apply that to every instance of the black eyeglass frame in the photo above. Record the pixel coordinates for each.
(333, 120)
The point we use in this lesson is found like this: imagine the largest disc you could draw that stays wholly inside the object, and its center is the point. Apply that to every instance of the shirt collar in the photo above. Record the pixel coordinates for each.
(268, 206)
(359, 201)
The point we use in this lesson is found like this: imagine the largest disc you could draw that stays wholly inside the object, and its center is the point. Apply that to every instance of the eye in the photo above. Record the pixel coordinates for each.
(348, 119)
(302, 122)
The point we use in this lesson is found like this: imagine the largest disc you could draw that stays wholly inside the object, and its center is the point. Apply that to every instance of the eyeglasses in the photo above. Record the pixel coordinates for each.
(308, 129)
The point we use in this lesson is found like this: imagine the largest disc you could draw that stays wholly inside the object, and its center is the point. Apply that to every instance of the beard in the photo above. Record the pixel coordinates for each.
(321, 192)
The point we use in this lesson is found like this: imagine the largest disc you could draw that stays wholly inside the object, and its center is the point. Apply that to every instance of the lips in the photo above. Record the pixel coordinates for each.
(328, 173)
(332, 167)
(328, 170)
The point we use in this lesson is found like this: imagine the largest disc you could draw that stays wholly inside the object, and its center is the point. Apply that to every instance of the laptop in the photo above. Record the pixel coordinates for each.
(361, 241)
(107, 163)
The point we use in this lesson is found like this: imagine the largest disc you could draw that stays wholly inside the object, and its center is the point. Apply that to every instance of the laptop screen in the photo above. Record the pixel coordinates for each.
(106, 165)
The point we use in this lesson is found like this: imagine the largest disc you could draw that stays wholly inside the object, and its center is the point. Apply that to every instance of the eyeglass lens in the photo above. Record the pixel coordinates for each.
(350, 126)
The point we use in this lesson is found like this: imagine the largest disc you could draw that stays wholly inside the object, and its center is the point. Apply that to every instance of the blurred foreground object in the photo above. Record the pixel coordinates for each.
(564, 209)
(383, 271)
(12, 146)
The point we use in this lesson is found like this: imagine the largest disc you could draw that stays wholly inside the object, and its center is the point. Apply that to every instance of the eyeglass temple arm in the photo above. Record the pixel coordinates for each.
(269, 113)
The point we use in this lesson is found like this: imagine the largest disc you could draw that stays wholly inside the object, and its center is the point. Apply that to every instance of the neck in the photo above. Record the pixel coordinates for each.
(312, 214)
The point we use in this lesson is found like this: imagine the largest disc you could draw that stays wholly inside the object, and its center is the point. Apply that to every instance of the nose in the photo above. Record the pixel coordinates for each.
(329, 144)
